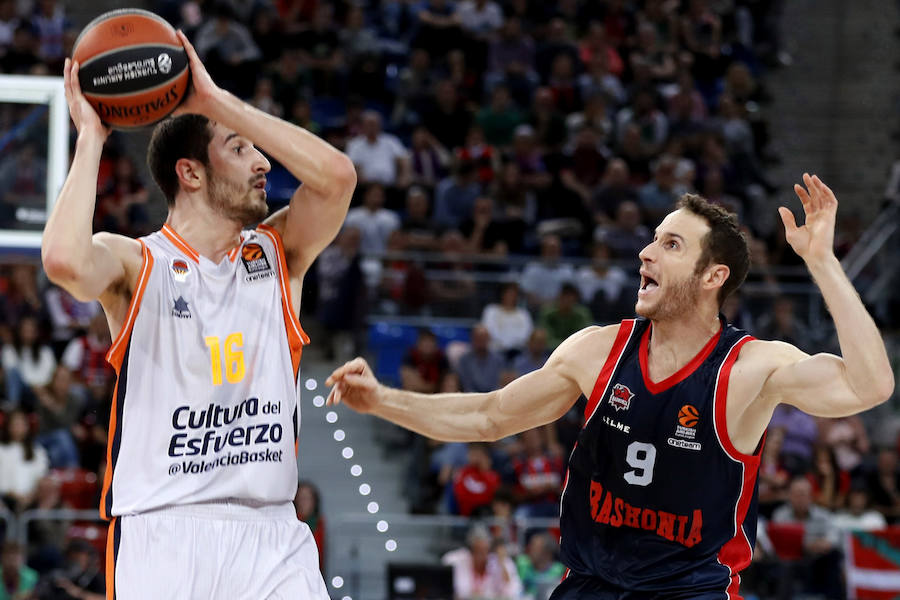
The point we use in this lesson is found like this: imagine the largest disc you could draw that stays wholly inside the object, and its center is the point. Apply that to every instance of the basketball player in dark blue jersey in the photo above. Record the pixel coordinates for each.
(660, 497)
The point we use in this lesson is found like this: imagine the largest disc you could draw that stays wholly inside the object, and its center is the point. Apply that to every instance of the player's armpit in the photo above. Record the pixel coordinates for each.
(816, 384)
(112, 258)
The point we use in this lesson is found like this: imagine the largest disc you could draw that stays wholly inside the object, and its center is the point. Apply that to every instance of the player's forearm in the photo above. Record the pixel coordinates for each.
(311, 159)
(67, 243)
(865, 357)
(445, 417)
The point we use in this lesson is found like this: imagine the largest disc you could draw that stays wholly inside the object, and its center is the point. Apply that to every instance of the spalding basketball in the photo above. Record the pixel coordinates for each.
(133, 69)
(688, 416)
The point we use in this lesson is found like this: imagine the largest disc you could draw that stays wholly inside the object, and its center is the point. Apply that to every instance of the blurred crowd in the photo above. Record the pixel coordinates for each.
(513, 158)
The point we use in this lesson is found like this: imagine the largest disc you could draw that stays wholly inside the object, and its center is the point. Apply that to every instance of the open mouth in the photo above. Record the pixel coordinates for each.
(648, 284)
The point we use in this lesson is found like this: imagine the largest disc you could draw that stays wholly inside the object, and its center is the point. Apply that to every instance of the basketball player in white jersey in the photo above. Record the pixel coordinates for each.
(201, 465)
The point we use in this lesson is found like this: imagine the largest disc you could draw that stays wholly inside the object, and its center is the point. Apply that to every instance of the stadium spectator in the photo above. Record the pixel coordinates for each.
(21, 55)
(657, 197)
(476, 482)
(308, 503)
(227, 50)
(626, 236)
(444, 115)
(883, 483)
(782, 323)
(508, 323)
(425, 367)
(85, 355)
(485, 234)
(22, 462)
(27, 363)
(374, 222)
(68, 316)
(773, 476)
(17, 580)
(420, 232)
(59, 408)
(615, 188)
(830, 484)
(482, 569)
(543, 279)
(859, 516)
(847, 438)
(799, 434)
(9, 21)
(122, 203)
(456, 292)
(539, 474)
(454, 196)
(821, 539)
(80, 579)
(535, 354)
(538, 568)
(602, 285)
(430, 160)
(565, 316)
(320, 51)
(480, 368)
(511, 61)
(51, 23)
(342, 292)
(379, 157)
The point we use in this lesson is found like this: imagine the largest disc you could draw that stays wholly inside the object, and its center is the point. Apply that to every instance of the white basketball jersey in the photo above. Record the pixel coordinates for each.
(208, 360)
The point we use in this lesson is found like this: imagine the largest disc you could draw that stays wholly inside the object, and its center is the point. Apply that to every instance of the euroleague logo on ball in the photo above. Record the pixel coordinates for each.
(164, 62)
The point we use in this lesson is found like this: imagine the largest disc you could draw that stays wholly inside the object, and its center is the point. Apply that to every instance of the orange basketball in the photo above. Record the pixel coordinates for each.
(133, 69)
(688, 416)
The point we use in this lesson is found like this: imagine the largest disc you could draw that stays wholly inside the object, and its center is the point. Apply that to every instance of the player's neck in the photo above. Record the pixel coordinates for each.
(208, 233)
(673, 343)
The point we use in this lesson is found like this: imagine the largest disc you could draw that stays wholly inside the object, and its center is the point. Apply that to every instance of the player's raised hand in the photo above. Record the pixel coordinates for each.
(203, 90)
(355, 385)
(814, 240)
(83, 114)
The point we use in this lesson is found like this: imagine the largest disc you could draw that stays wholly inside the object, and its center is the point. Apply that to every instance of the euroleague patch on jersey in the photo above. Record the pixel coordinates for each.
(621, 396)
(180, 269)
(686, 429)
(254, 258)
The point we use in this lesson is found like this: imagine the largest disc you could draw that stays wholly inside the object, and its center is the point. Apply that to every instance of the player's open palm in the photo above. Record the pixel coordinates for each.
(203, 89)
(814, 240)
(83, 114)
(354, 385)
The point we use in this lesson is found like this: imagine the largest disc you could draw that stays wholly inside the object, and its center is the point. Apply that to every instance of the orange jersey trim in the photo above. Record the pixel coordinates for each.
(180, 243)
(117, 350)
(111, 559)
(297, 338)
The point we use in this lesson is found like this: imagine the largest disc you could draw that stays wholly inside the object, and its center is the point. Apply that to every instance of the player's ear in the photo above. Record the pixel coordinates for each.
(715, 276)
(191, 173)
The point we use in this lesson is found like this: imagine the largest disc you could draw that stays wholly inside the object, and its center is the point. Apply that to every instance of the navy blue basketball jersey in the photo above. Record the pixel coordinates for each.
(657, 501)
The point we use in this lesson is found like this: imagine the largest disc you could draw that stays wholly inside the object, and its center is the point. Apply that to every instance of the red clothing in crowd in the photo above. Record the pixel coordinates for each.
(473, 487)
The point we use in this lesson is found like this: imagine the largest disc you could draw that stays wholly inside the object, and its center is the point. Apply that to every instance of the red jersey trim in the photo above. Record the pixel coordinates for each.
(682, 373)
(737, 552)
(626, 329)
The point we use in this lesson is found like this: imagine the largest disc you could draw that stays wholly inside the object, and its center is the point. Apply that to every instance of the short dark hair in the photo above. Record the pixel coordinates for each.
(184, 136)
(725, 243)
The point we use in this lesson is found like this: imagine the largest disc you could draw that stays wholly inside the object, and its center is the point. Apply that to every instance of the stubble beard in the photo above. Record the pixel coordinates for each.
(234, 203)
(679, 300)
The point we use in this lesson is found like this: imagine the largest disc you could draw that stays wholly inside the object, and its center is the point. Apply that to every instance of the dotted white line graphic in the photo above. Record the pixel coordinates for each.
(356, 470)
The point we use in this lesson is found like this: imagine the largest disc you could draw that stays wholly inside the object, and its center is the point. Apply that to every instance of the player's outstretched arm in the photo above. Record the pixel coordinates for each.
(534, 399)
(824, 384)
(328, 177)
(84, 264)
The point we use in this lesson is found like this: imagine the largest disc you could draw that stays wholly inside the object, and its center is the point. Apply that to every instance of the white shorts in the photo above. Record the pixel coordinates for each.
(225, 551)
